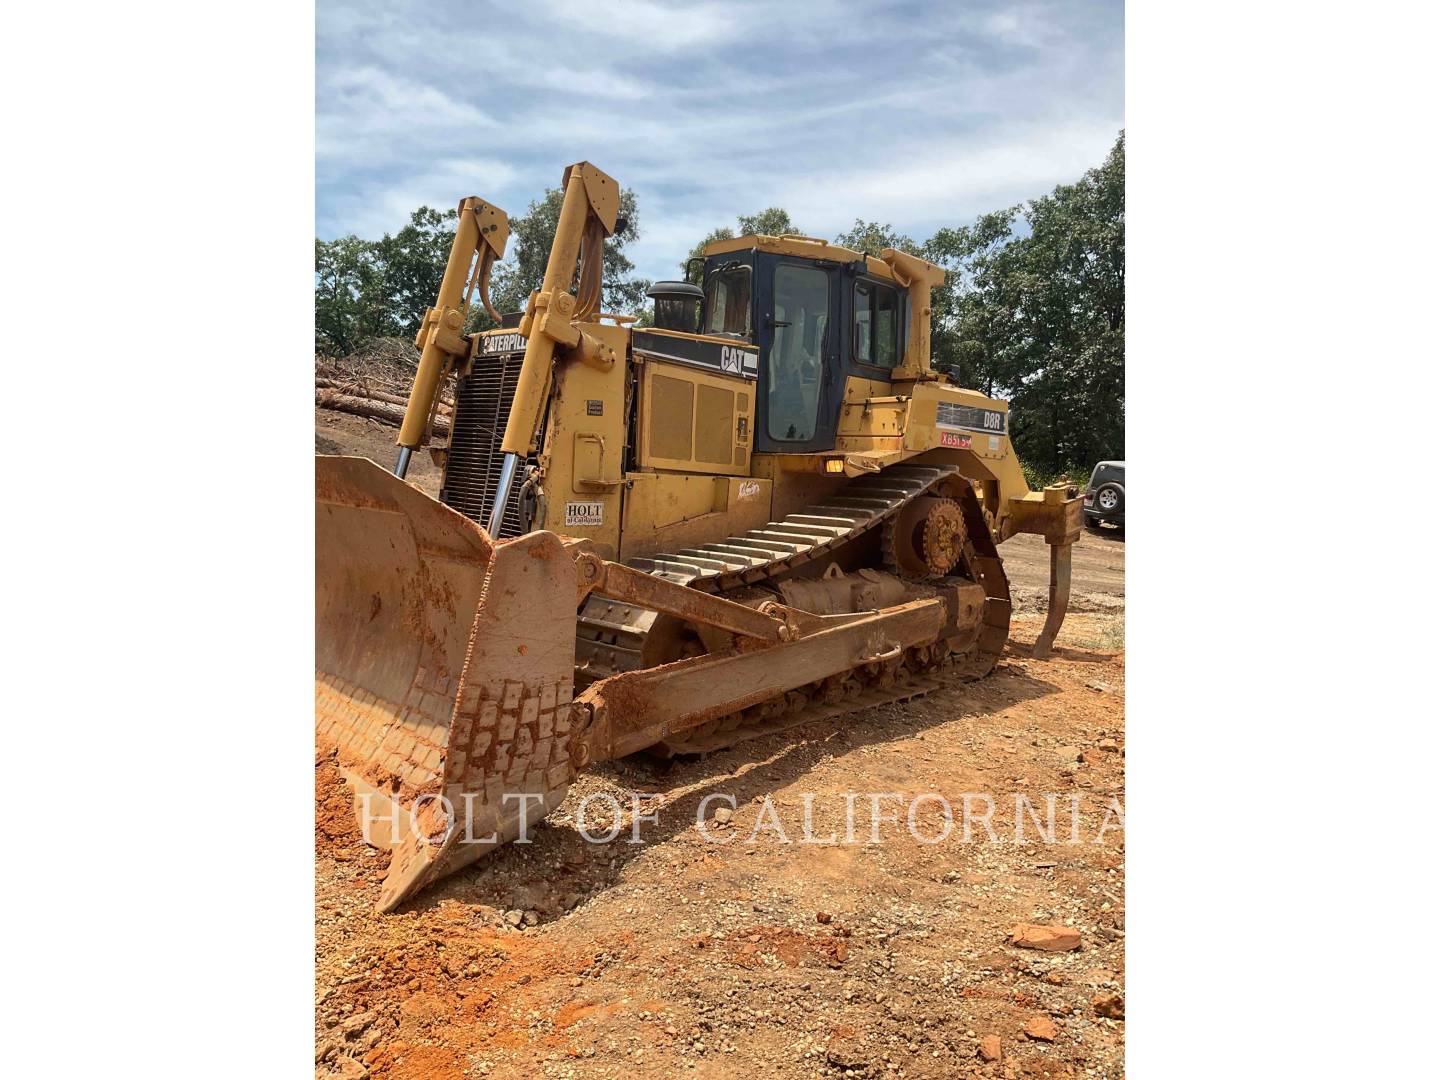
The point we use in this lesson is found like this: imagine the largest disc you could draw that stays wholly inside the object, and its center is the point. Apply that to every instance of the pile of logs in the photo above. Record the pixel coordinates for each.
(360, 399)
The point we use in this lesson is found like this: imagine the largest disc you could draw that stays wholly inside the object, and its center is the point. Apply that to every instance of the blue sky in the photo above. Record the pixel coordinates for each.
(914, 114)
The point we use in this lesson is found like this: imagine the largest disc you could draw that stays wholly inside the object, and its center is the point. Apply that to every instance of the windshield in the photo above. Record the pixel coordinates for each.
(796, 363)
(727, 301)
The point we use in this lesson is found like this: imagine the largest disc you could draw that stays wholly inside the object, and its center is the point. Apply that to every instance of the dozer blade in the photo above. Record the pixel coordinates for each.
(444, 671)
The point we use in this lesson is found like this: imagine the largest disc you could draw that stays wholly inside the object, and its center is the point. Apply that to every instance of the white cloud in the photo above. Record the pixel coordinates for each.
(363, 108)
(891, 110)
(650, 26)
(377, 207)
(954, 181)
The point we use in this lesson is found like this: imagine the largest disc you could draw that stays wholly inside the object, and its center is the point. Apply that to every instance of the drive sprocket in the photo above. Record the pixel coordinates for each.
(926, 539)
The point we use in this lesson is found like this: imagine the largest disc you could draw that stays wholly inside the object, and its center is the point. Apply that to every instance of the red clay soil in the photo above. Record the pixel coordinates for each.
(682, 956)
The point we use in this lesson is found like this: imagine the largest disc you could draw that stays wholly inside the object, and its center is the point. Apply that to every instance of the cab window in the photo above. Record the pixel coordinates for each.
(727, 301)
(796, 364)
(877, 324)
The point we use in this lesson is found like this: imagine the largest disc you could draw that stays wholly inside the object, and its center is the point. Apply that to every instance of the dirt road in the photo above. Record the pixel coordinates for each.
(774, 945)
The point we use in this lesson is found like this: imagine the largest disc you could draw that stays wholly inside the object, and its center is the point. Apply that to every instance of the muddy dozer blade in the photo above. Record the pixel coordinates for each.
(444, 667)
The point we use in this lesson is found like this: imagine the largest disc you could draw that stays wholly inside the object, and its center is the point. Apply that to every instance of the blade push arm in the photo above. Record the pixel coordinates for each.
(481, 231)
(770, 623)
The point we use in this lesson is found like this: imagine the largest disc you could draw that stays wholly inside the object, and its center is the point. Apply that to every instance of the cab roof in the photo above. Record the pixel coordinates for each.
(804, 247)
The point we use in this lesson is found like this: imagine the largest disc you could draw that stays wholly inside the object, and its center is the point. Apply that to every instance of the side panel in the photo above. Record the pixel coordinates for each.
(873, 416)
(671, 511)
(794, 489)
(694, 421)
(932, 423)
(584, 453)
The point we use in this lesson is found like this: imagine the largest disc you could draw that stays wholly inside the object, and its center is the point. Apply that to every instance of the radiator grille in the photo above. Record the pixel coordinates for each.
(472, 468)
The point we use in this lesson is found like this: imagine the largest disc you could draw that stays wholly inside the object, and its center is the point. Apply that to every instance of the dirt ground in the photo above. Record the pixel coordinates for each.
(769, 945)
(341, 433)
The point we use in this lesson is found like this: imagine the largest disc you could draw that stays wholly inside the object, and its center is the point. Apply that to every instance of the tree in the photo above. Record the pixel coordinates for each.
(349, 295)
(413, 262)
(1070, 305)
(769, 222)
(530, 238)
(724, 232)
(1040, 317)
(365, 289)
(772, 221)
(969, 327)
(870, 238)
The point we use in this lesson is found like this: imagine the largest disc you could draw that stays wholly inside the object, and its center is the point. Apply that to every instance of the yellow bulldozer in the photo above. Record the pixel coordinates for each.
(764, 509)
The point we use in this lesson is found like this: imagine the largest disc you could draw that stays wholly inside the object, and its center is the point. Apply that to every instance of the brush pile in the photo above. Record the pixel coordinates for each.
(375, 382)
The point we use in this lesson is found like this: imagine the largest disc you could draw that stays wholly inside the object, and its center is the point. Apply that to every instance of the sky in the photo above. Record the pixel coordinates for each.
(912, 114)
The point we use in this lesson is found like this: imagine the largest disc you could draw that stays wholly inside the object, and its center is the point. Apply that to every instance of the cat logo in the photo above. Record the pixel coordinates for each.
(732, 359)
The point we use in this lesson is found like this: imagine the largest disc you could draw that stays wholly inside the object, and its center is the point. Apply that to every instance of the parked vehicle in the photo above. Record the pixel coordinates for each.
(1105, 496)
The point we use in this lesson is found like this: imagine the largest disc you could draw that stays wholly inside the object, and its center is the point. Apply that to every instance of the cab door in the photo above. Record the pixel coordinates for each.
(800, 377)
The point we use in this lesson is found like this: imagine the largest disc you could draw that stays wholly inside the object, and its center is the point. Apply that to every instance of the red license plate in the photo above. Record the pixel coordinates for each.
(949, 438)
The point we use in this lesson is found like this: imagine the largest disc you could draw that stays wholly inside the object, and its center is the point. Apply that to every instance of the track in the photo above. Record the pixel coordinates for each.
(614, 637)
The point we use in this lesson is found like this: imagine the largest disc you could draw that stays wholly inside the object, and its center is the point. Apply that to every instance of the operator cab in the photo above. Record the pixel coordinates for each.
(817, 314)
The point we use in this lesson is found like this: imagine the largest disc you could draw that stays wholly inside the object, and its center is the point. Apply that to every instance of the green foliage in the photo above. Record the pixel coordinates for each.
(769, 222)
(967, 322)
(1039, 318)
(530, 238)
(413, 262)
(724, 232)
(1043, 476)
(871, 238)
(772, 221)
(368, 289)
(349, 309)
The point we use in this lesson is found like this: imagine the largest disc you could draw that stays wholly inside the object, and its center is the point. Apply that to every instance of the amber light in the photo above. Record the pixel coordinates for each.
(835, 464)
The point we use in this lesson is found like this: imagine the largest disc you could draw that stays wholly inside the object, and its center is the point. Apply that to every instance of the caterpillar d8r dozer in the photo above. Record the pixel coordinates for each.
(765, 509)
